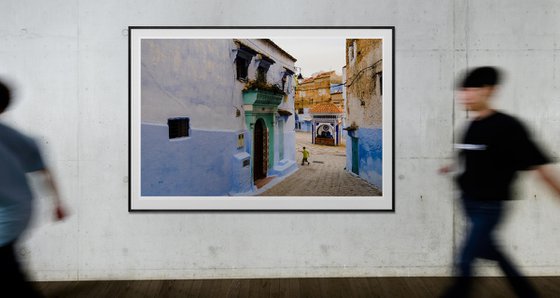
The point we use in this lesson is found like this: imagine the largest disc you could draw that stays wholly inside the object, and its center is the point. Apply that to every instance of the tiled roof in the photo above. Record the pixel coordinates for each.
(325, 108)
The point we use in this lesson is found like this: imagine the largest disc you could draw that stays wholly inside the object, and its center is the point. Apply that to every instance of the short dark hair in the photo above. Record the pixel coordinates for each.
(5, 96)
(481, 77)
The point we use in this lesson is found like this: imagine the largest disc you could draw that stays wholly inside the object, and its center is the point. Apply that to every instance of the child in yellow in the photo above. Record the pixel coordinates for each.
(305, 156)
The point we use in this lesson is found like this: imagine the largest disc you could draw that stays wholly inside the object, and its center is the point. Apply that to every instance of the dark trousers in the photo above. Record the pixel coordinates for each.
(483, 217)
(12, 279)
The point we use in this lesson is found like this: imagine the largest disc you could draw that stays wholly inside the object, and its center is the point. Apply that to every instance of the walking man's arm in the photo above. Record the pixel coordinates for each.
(550, 176)
(59, 211)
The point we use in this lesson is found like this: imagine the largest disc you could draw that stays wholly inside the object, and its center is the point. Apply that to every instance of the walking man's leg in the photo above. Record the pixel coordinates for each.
(520, 284)
(11, 274)
(482, 218)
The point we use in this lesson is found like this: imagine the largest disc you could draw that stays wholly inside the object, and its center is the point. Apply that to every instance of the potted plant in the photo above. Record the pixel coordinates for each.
(259, 92)
(262, 85)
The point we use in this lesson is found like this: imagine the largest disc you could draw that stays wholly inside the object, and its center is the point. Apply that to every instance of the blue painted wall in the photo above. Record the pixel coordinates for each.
(200, 165)
(241, 175)
(287, 165)
(370, 147)
(306, 126)
(290, 145)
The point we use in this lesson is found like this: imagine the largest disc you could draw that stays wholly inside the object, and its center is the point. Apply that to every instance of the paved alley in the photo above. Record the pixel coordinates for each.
(325, 176)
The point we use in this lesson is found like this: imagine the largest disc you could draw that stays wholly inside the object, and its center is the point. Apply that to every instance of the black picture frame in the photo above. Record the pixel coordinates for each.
(383, 203)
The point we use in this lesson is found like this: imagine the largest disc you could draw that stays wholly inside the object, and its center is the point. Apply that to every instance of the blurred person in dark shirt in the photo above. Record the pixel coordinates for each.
(494, 147)
(19, 155)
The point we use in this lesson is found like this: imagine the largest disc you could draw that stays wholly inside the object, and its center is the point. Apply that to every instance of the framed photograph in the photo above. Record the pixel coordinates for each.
(261, 118)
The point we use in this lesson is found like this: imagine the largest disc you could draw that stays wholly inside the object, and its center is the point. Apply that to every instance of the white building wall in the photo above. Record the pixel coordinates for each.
(274, 76)
(191, 77)
(69, 60)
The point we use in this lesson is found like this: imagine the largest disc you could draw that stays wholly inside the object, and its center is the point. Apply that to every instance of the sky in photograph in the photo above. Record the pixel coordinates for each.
(314, 55)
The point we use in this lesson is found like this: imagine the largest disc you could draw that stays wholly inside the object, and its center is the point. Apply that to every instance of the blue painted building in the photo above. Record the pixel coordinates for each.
(205, 130)
(363, 101)
(336, 88)
(304, 120)
(327, 124)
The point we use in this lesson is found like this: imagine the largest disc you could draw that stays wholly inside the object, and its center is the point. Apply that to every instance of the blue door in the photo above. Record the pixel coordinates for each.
(355, 157)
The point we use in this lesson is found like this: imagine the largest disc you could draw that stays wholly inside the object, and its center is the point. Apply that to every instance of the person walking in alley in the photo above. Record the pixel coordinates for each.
(305, 156)
(494, 147)
(19, 155)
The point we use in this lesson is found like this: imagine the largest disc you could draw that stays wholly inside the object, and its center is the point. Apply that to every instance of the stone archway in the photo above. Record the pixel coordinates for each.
(325, 129)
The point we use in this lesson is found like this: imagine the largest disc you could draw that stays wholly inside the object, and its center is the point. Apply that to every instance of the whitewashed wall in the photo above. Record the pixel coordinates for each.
(190, 78)
(69, 62)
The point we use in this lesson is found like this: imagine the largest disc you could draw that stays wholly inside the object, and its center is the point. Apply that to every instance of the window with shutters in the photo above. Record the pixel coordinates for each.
(243, 59)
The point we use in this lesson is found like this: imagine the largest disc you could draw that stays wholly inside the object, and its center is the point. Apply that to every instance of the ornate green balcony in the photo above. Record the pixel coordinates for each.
(262, 98)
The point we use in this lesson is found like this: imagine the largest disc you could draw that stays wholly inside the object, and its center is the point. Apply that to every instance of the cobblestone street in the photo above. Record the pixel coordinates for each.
(325, 176)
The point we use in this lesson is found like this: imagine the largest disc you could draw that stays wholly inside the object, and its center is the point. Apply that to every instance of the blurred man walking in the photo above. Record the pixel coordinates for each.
(495, 146)
(19, 155)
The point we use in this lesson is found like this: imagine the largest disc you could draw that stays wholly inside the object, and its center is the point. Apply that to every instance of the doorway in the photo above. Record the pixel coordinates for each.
(260, 150)
(355, 157)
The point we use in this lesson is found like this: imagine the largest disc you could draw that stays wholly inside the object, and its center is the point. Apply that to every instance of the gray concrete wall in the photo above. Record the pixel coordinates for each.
(69, 61)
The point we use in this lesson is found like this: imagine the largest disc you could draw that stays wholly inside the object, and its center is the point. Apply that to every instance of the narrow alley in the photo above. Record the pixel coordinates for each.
(325, 176)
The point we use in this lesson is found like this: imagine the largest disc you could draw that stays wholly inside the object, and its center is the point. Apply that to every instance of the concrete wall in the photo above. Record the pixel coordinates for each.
(69, 60)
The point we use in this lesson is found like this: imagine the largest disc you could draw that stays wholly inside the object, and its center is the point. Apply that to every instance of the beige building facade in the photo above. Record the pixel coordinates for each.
(364, 100)
(316, 89)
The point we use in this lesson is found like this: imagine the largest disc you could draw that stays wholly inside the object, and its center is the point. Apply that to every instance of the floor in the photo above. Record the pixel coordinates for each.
(324, 176)
(393, 287)
(264, 181)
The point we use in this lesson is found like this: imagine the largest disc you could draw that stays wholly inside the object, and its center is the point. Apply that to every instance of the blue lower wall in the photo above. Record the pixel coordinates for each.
(203, 164)
(287, 165)
(305, 126)
(370, 152)
(290, 145)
